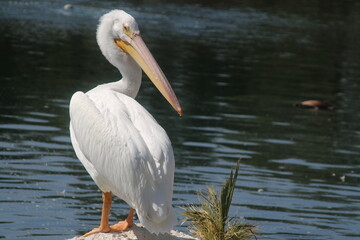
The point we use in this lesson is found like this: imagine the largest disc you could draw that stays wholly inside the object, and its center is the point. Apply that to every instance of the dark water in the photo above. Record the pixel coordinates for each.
(237, 69)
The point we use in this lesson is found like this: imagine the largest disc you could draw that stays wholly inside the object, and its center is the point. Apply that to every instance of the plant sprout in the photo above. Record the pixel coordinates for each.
(210, 220)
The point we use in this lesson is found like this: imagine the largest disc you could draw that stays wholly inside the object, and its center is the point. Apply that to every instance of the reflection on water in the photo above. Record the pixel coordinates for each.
(237, 69)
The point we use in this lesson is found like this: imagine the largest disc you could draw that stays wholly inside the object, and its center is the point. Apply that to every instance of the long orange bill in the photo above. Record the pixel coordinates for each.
(141, 54)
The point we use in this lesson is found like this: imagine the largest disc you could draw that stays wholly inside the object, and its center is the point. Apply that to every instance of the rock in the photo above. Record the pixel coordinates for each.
(137, 232)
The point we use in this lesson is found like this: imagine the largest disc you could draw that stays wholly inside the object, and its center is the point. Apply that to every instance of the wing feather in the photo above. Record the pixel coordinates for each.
(127, 150)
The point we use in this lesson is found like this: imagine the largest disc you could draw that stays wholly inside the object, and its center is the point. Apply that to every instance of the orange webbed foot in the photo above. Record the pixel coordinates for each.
(124, 225)
(98, 230)
(121, 226)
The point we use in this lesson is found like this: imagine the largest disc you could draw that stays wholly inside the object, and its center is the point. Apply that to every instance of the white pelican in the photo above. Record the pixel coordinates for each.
(123, 148)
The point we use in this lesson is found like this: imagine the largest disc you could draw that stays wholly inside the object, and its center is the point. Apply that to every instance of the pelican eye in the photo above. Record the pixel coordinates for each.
(126, 30)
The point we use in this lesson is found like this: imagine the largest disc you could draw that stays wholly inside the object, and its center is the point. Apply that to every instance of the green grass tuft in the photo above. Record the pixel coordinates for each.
(209, 220)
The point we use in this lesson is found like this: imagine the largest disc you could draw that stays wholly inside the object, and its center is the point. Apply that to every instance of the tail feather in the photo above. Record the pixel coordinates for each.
(158, 225)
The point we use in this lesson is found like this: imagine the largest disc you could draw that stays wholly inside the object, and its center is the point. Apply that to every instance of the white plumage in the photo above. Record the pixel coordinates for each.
(120, 144)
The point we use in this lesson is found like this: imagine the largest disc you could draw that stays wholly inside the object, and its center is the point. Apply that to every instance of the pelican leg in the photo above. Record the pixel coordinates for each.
(104, 224)
(124, 225)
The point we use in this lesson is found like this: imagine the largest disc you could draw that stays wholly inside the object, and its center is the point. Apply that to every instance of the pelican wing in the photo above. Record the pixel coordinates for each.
(124, 150)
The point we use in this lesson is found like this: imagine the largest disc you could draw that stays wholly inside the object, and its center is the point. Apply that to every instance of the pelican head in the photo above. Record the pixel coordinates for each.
(119, 39)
